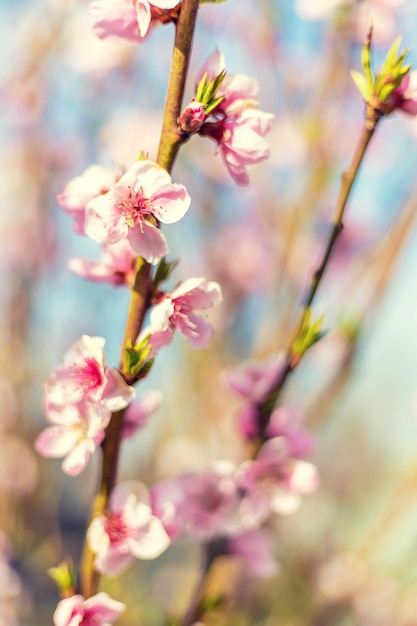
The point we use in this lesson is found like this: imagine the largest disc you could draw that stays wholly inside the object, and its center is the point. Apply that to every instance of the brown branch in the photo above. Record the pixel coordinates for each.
(140, 300)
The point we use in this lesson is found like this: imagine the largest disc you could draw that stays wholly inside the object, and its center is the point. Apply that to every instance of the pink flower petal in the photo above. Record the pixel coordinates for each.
(148, 241)
(171, 203)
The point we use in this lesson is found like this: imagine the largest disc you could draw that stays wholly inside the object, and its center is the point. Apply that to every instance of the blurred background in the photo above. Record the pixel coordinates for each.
(68, 100)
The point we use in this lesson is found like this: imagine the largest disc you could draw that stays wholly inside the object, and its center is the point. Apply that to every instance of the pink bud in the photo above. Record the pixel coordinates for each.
(192, 118)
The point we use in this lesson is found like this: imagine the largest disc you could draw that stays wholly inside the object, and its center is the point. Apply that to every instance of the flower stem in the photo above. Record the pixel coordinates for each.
(347, 180)
(169, 145)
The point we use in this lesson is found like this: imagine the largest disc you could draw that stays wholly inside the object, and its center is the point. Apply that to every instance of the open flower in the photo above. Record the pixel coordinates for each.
(236, 124)
(99, 610)
(116, 266)
(128, 530)
(127, 19)
(132, 209)
(273, 482)
(76, 432)
(177, 310)
(95, 181)
(210, 500)
(85, 376)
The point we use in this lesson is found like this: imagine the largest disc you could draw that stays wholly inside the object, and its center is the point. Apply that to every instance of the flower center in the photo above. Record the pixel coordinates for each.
(116, 528)
(88, 375)
(134, 207)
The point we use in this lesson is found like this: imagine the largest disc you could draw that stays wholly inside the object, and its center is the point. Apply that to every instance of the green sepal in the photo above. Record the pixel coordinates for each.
(164, 271)
(211, 1)
(137, 362)
(206, 92)
(361, 83)
(366, 58)
(64, 577)
(310, 333)
(200, 88)
(213, 104)
(211, 88)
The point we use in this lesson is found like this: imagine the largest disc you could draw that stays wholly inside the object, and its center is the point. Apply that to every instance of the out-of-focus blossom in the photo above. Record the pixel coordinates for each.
(116, 266)
(177, 310)
(253, 547)
(128, 530)
(238, 126)
(76, 432)
(100, 610)
(138, 412)
(404, 97)
(166, 499)
(132, 208)
(85, 376)
(254, 379)
(286, 421)
(95, 181)
(273, 482)
(210, 501)
(127, 19)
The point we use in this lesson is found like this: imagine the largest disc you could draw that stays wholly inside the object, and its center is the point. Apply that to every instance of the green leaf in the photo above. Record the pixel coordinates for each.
(211, 88)
(200, 88)
(64, 577)
(164, 271)
(213, 104)
(310, 333)
(360, 82)
(137, 361)
(366, 59)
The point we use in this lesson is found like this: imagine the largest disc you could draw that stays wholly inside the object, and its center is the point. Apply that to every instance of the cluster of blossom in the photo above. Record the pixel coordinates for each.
(79, 399)
(235, 122)
(227, 503)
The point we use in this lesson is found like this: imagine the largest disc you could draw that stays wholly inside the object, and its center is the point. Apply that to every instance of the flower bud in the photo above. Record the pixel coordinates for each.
(192, 118)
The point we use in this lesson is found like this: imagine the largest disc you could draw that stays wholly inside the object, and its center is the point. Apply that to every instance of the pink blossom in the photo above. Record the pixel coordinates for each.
(84, 375)
(132, 208)
(138, 412)
(177, 310)
(116, 266)
(286, 421)
(126, 19)
(253, 547)
(128, 530)
(95, 181)
(167, 498)
(253, 380)
(99, 610)
(273, 482)
(76, 432)
(238, 126)
(212, 67)
(405, 96)
(241, 141)
(210, 501)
